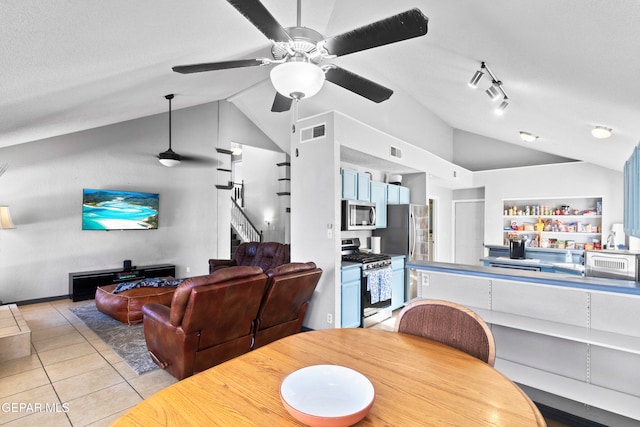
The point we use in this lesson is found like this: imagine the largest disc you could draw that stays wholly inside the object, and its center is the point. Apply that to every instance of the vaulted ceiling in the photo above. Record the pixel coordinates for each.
(566, 66)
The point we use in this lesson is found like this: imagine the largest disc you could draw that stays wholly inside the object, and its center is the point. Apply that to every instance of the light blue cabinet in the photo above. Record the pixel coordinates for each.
(405, 195)
(393, 194)
(349, 184)
(632, 194)
(379, 197)
(351, 296)
(397, 284)
(364, 192)
(355, 185)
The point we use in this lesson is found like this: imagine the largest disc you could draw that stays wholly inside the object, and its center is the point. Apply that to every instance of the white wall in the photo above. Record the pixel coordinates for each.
(43, 187)
(555, 181)
(315, 216)
(260, 174)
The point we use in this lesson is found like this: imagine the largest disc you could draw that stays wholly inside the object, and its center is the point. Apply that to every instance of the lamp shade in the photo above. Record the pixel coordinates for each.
(297, 80)
(169, 158)
(5, 218)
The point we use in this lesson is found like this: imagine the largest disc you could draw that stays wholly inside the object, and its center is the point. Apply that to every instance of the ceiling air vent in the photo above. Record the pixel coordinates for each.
(396, 152)
(312, 133)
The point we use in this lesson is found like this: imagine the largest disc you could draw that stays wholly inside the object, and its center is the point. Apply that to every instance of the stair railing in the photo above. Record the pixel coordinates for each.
(247, 232)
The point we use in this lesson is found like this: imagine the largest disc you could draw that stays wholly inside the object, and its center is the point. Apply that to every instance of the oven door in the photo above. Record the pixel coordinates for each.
(376, 287)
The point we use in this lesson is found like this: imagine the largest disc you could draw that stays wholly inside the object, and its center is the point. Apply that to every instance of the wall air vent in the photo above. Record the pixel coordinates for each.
(396, 152)
(312, 133)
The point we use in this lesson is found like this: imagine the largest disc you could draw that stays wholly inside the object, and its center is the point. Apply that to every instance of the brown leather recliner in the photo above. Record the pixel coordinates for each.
(285, 302)
(211, 320)
(266, 255)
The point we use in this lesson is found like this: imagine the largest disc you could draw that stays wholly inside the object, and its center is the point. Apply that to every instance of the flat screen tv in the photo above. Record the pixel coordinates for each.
(119, 210)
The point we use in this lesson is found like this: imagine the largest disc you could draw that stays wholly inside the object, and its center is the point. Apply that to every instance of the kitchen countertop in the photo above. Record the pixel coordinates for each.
(558, 279)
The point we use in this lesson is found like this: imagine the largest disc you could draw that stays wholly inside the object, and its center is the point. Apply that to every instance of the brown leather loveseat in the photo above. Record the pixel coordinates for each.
(285, 301)
(266, 255)
(211, 320)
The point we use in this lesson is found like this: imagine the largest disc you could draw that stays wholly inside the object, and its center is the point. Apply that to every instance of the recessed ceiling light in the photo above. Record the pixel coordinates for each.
(527, 136)
(601, 132)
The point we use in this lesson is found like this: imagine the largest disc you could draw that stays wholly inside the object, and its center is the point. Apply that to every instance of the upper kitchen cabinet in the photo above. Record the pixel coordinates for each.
(393, 194)
(379, 197)
(405, 195)
(355, 185)
(398, 195)
(632, 194)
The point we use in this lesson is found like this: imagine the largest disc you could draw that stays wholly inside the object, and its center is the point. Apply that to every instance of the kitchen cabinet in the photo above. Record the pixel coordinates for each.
(349, 184)
(379, 197)
(567, 223)
(573, 342)
(397, 284)
(351, 296)
(405, 195)
(364, 191)
(393, 194)
(632, 194)
(355, 185)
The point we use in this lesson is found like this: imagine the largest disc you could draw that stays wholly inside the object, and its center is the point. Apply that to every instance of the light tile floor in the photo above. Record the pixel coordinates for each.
(72, 378)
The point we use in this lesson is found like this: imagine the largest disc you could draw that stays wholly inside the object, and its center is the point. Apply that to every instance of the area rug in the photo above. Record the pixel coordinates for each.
(127, 341)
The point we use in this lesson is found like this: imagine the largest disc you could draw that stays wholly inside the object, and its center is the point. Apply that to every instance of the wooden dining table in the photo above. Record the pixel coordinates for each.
(417, 381)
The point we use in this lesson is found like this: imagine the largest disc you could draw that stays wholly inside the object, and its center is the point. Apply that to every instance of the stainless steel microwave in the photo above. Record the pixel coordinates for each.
(358, 215)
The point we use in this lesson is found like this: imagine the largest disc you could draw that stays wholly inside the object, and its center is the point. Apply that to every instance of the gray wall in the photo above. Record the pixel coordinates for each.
(43, 187)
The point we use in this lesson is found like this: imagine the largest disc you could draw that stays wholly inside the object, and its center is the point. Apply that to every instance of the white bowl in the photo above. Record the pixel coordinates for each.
(327, 395)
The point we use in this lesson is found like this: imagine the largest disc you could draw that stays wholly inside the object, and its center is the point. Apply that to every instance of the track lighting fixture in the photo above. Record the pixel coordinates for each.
(476, 79)
(495, 90)
(527, 136)
(601, 132)
(503, 105)
(493, 93)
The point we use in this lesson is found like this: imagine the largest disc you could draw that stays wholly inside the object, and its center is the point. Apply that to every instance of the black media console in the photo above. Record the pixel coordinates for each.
(83, 285)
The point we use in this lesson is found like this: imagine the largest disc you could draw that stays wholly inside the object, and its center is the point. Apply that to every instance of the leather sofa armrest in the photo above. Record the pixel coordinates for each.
(159, 314)
(216, 264)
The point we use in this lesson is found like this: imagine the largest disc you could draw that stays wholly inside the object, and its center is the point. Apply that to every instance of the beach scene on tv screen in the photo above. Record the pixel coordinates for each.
(119, 210)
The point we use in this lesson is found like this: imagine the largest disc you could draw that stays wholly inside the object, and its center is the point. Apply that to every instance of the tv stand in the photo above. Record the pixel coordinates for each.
(82, 285)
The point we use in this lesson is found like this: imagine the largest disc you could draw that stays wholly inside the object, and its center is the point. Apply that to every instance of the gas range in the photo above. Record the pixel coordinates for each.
(350, 250)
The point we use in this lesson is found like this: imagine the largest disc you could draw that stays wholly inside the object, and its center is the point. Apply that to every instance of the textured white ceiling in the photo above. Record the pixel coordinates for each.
(69, 65)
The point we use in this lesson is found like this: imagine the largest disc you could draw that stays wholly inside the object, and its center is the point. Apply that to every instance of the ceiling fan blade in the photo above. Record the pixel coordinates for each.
(358, 84)
(281, 103)
(212, 66)
(403, 26)
(261, 18)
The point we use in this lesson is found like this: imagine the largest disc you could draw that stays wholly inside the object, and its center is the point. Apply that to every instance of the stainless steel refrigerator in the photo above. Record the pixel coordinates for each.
(407, 233)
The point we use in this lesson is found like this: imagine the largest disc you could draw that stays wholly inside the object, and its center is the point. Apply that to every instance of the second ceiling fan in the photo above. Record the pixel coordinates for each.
(298, 53)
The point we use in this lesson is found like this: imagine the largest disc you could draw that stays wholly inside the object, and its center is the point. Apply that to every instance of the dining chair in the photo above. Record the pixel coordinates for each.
(449, 323)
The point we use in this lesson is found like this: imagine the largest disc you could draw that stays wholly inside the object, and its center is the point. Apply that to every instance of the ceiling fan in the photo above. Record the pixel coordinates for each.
(170, 158)
(298, 53)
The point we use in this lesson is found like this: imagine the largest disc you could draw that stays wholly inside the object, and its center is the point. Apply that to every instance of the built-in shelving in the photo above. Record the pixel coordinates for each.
(567, 223)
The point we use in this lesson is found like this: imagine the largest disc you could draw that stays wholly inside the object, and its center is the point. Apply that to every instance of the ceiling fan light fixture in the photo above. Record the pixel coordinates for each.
(527, 136)
(169, 158)
(297, 79)
(601, 132)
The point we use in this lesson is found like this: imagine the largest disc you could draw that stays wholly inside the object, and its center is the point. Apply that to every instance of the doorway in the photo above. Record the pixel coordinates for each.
(468, 231)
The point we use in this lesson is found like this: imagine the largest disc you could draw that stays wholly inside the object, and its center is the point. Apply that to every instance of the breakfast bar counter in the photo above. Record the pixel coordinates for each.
(571, 338)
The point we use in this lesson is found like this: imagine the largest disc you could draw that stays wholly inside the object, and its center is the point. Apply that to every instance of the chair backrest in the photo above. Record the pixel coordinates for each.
(245, 253)
(289, 287)
(222, 305)
(449, 323)
(270, 255)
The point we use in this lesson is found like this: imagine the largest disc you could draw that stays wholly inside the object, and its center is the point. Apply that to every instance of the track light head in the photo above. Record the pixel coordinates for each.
(493, 92)
(476, 79)
(503, 105)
